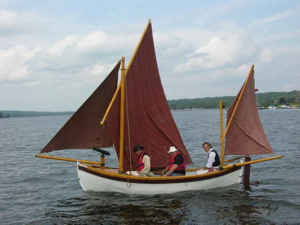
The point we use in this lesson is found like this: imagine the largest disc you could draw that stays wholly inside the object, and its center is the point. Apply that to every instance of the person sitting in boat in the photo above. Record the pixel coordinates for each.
(213, 160)
(143, 161)
(176, 165)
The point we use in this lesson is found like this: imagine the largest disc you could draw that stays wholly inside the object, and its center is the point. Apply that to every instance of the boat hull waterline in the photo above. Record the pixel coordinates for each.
(98, 180)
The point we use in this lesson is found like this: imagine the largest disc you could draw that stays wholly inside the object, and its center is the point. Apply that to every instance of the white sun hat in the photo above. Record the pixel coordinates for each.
(172, 149)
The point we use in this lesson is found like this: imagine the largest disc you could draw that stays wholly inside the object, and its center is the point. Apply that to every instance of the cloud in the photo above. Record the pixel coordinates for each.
(59, 48)
(101, 68)
(266, 56)
(13, 63)
(77, 56)
(7, 19)
(171, 45)
(220, 52)
(12, 23)
(270, 19)
(95, 41)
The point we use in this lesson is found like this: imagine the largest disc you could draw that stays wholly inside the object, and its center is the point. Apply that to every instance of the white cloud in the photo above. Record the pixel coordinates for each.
(270, 19)
(171, 45)
(266, 56)
(13, 25)
(221, 52)
(60, 47)
(7, 19)
(101, 68)
(76, 56)
(94, 41)
(13, 63)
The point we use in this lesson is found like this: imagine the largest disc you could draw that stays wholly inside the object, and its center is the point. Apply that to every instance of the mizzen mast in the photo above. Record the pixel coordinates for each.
(221, 133)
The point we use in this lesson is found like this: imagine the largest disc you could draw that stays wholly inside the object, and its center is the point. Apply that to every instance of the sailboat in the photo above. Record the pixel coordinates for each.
(134, 111)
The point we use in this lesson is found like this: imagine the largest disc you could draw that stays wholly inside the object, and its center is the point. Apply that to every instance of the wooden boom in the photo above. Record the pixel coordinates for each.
(251, 162)
(66, 159)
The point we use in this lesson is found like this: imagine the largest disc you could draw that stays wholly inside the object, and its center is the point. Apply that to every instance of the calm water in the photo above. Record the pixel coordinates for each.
(40, 191)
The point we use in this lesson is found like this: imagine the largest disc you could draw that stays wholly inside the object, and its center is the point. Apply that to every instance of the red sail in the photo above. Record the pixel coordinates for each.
(148, 119)
(245, 134)
(82, 130)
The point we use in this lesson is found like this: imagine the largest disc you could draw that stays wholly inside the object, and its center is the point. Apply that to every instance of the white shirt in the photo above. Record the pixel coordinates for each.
(147, 167)
(211, 158)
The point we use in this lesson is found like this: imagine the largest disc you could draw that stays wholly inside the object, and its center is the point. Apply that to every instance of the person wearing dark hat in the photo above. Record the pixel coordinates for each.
(143, 161)
(176, 165)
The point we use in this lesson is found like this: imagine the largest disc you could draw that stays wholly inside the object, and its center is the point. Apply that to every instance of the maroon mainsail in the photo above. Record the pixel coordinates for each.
(148, 119)
(82, 130)
(245, 135)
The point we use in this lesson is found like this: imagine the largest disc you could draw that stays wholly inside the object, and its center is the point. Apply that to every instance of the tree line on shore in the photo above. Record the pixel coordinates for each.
(263, 99)
(12, 113)
(4, 115)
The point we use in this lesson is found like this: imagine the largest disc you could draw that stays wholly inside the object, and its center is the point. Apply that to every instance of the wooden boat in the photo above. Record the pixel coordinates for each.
(136, 111)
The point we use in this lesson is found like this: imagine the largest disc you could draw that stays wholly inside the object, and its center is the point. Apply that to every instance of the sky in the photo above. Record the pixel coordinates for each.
(54, 54)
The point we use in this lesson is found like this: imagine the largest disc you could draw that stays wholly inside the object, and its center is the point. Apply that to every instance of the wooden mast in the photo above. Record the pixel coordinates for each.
(122, 103)
(221, 133)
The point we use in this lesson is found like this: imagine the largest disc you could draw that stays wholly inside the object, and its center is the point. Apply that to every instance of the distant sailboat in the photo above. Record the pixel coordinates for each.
(136, 111)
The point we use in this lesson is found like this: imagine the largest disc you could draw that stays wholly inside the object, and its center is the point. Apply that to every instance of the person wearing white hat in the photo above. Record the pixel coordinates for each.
(176, 165)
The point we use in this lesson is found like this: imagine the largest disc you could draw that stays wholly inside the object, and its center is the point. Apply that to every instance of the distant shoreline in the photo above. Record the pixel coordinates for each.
(15, 113)
(264, 100)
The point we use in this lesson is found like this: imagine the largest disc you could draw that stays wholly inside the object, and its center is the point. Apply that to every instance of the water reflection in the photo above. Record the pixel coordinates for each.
(232, 206)
(159, 211)
(248, 213)
(241, 207)
(101, 208)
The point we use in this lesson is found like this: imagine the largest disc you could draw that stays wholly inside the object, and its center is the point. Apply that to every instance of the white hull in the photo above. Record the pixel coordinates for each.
(103, 182)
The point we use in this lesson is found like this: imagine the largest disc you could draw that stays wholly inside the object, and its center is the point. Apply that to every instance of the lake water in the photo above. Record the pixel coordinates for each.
(41, 191)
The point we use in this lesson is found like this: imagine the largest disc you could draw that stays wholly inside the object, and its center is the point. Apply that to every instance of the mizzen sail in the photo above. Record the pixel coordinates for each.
(82, 130)
(245, 134)
(148, 119)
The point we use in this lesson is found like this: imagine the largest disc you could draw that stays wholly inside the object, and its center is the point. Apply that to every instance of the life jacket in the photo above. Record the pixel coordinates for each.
(217, 159)
(141, 165)
(180, 167)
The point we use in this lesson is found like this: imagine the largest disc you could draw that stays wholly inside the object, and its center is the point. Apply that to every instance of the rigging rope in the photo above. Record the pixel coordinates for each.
(166, 154)
(128, 130)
